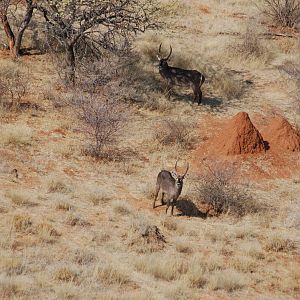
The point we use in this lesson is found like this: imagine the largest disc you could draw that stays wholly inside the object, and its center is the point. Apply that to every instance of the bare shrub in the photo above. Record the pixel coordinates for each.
(175, 132)
(13, 86)
(102, 121)
(113, 82)
(283, 12)
(218, 189)
(250, 44)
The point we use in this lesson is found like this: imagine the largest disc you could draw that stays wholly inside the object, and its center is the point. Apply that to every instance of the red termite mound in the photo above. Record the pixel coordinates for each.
(281, 135)
(239, 136)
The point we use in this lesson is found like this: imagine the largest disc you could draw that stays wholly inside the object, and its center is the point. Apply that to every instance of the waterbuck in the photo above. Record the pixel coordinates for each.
(170, 184)
(182, 77)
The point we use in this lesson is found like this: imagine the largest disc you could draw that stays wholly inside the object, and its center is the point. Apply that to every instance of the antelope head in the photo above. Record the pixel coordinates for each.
(178, 177)
(163, 62)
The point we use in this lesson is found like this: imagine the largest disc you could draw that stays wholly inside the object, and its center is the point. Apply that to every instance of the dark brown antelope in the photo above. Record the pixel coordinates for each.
(170, 184)
(182, 77)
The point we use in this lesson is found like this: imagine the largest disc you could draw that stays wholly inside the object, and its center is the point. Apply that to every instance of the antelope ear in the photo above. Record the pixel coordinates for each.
(174, 175)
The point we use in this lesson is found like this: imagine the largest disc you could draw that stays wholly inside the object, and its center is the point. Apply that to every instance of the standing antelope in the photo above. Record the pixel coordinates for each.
(178, 76)
(170, 184)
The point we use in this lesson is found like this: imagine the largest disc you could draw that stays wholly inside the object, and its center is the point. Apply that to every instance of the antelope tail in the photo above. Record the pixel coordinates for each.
(202, 80)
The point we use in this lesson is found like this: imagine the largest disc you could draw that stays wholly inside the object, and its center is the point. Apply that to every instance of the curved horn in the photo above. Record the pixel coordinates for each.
(169, 53)
(187, 168)
(159, 54)
(176, 166)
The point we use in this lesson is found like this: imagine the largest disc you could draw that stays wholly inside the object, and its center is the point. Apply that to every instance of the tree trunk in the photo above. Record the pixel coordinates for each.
(24, 25)
(70, 60)
(9, 33)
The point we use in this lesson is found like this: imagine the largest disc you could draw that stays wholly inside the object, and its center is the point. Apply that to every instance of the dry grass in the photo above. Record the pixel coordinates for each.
(250, 47)
(58, 185)
(65, 274)
(279, 243)
(74, 220)
(121, 207)
(109, 275)
(227, 86)
(16, 135)
(175, 133)
(183, 247)
(253, 249)
(169, 223)
(63, 206)
(243, 264)
(164, 267)
(12, 264)
(84, 257)
(98, 197)
(13, 287)
(46, 232)
(209, 263)
(22, 223)
(68, 150)
(20, 198)
(228, 280)
(99, 211)
(197, 276)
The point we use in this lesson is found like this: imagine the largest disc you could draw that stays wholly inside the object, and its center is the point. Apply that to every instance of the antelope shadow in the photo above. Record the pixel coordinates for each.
(188, 208)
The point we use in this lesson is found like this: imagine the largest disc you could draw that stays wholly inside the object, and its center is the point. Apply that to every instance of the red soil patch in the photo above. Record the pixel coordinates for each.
(239, 136)
(205, 9)
(281, 135)
(71, 172)
(239, 15)
(60, 131)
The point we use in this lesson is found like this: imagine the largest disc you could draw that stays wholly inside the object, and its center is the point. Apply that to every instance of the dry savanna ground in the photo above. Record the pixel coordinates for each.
(76, 227)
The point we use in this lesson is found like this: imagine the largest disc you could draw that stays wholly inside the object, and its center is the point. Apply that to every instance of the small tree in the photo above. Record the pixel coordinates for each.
(102, 120)
(283, 12)
(13, 86)
(93, 27)
(218, 189)
(15, 40)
